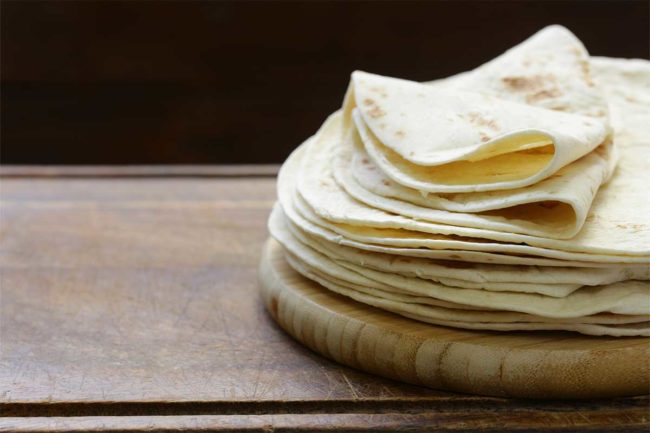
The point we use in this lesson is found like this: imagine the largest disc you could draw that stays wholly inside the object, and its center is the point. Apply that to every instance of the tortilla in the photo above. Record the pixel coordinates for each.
(525, 74)
(553, 208)
(331, 207)
(483, 130)
(602, 324)
(628, 297)
(549, 281)
(287, 179)
(485, 259)
(476, 142)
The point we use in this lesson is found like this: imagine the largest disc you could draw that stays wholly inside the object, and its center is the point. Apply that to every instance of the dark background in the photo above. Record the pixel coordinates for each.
(119, 82)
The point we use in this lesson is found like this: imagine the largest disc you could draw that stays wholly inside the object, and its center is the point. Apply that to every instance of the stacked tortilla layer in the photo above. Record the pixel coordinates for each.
(511, 197)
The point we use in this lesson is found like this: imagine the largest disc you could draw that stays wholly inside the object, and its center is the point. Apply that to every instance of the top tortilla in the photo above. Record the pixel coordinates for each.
(475, 140)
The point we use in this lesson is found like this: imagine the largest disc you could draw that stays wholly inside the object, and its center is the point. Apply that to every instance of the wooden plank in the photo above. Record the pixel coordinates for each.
(529, 421)
(136, 290)
(139, 296)
(139, 170)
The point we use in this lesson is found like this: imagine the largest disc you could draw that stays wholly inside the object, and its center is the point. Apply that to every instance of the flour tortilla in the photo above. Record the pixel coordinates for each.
(549, 281)
(405, 268)
(403, 303)
(422, 306)
(498, 139)
(524, 74)
(628, 298)
(475, 142)
(602, 324)
(553, 208)
(626, 83)
(337, 211)
(475, 320)
(627, 301)
(376, 234)
(287, 180)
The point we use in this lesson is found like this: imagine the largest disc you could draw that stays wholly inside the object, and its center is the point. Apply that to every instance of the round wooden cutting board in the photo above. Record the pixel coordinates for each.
(516, 364)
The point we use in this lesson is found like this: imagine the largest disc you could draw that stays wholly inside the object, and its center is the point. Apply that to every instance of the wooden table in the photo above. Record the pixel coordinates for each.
(129, 302)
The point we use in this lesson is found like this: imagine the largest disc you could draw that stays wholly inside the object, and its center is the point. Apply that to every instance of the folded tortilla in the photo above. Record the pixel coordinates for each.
(551, 69)
(438, 139)
(553, 208)
(328, 205)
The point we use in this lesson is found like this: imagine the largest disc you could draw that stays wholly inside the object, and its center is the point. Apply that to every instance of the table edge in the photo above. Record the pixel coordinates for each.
(227, 170)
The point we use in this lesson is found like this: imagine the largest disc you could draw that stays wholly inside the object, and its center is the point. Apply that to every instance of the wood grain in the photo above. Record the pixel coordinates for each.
(522, 364)
(132, 304)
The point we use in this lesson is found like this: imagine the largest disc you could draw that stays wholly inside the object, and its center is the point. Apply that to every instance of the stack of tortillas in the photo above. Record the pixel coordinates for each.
(511, 197)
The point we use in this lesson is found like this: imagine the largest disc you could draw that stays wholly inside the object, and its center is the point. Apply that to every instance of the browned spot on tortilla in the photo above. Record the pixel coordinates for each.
(484, 137)
(631, 226)
(399, 133)
(376, 112)
(455, 256)
(543, 94)
(549, 204)
(385, 182)
(480, 120)
(368, 101)
(364, 161)
(559, 107)
(631, 98)
(534, 83)
(584, 67)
